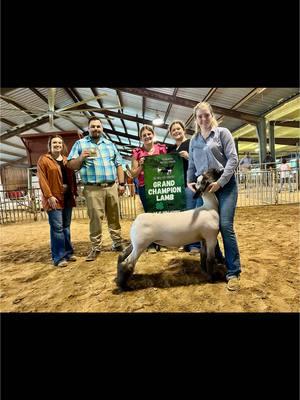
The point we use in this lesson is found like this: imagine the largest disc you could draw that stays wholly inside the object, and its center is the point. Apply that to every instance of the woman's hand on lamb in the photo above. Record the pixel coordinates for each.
(192, 186)
(213, 187)
(184, 154)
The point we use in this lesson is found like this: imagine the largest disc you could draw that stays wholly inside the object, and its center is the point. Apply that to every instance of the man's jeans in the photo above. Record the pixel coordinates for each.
(61, 246)
(227, 197)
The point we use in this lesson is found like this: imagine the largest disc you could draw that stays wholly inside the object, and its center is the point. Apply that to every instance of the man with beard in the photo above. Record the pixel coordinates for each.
(100, 166)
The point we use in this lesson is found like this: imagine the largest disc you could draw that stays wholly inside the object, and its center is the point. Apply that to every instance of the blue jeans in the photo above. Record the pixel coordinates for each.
(190, 204)
(227, 197)
(142, 195)
(61, 246)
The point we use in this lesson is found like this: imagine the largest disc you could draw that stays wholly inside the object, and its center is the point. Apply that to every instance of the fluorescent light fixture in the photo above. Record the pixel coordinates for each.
(158, 121)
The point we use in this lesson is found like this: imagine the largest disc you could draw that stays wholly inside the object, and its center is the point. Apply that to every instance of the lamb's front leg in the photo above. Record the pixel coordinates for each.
(126, 264)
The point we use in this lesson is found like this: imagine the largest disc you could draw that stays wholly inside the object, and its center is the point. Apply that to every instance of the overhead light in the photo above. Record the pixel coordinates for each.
(158, 121)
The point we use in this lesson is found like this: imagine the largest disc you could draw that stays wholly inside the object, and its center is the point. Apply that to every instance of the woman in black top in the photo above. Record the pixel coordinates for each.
(177, 132)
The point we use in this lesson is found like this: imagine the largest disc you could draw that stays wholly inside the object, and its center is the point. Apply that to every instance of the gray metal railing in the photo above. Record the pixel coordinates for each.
(263, 187)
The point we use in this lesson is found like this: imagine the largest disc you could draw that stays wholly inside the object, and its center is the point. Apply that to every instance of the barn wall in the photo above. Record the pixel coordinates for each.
(13, 178)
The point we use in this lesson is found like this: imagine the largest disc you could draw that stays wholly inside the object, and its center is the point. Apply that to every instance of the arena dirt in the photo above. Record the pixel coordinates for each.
(164, 282)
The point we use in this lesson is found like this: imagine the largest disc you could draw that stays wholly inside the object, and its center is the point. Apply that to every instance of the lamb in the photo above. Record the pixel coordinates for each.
(175, 230)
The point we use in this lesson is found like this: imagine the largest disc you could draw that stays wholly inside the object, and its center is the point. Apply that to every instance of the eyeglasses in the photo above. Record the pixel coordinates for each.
(200, 116)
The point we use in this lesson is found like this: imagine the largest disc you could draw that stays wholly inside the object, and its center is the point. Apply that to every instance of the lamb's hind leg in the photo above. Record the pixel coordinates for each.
(203, 252)
(210, 259)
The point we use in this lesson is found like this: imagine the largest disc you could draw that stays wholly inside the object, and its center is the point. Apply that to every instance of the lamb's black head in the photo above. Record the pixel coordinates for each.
(203, 181)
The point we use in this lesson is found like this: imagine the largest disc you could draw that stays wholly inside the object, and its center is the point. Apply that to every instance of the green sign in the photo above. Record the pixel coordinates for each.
(164, 183)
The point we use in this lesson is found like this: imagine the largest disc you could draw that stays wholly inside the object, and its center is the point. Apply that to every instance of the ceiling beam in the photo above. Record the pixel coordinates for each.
(7, 122)
(143, 106)
(21, 108)
(170, 105)
(285, 141)
(15, 163)
(206, 98)
(251, 118)
(17, 129)
(122, 105)
(4, 91)
(17, 146)
(131, 118)
(11, 153)
(290, 124)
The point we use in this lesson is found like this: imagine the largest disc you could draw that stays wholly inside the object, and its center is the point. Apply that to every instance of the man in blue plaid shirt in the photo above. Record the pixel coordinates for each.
(100, 166)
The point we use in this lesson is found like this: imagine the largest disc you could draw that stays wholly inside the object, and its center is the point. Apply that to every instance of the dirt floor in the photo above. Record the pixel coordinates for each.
(164, 282)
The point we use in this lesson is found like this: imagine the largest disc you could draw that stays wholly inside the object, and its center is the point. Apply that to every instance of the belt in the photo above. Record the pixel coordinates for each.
(104, 184)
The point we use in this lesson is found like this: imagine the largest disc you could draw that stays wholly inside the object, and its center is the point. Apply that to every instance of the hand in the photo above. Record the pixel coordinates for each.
(121, 190)
(53, 202)
(84, 154)
(184, 154)
(192, 186)
(213, 187)
(141, 161)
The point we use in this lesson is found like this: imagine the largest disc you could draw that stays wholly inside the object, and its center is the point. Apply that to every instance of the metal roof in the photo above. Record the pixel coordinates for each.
(125, 110)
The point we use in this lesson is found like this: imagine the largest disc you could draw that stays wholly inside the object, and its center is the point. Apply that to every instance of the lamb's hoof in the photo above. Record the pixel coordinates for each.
(122, 279)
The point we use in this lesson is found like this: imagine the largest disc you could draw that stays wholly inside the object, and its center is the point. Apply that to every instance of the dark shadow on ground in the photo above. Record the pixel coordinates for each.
(183, 272)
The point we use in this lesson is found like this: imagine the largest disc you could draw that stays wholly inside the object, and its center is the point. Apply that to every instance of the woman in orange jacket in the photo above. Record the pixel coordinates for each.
(59, 188)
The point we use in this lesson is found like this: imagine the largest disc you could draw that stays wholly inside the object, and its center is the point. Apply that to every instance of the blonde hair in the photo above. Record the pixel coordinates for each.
(148, 127)
(176, 121)
(206, 106)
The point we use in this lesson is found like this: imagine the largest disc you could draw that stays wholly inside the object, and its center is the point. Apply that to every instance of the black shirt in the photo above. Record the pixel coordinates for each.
(67, 194)
(172, 148)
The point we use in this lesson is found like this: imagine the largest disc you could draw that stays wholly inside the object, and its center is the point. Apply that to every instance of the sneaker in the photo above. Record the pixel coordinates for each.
(93, 254)
(117, 247)
(72, 258)
(233, 283)
(62, 263)
(181, 249)
(194, 250)
(163, 248)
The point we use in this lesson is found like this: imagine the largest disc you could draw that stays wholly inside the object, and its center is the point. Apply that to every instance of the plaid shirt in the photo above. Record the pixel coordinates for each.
(102, 168)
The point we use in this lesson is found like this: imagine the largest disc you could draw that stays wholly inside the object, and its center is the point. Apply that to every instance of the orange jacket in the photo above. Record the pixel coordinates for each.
(51, 181)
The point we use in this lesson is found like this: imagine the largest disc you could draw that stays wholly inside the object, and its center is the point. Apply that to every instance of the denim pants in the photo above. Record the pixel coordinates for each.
(61, 246)
(227, 197)
(142, 195)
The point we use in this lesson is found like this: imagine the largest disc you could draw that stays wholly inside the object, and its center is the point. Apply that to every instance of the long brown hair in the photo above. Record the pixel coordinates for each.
(64, 151)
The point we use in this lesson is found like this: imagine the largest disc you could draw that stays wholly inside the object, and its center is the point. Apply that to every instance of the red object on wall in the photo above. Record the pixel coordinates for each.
(37, 144)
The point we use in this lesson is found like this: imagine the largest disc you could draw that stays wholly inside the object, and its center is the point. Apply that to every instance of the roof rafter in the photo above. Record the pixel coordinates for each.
(251, 118)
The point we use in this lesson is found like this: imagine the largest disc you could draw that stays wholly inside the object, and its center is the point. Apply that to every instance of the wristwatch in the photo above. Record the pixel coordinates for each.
(122, 184)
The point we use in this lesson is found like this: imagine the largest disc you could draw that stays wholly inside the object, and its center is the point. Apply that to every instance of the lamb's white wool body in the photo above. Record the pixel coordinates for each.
(175, 230)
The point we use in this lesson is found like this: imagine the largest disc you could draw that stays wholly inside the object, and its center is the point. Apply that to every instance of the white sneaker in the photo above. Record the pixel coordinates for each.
(62, 263)
(233, 283)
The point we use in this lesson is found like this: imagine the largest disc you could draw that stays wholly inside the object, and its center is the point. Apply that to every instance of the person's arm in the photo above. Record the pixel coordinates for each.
(136, 166)
(121, 180)
(76, 163)
(44, 183)
(77, 157)
(191, 169)
(231, 155)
